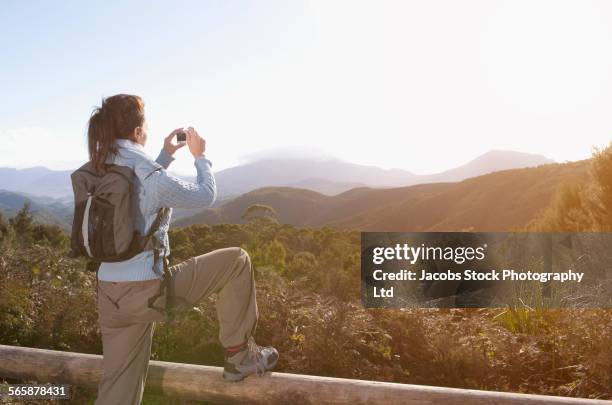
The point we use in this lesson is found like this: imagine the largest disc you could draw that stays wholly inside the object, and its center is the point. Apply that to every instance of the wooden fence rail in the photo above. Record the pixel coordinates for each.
(206, 383)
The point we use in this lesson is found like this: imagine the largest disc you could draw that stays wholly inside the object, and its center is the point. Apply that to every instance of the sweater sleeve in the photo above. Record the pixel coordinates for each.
(170, 191)
(164, 158)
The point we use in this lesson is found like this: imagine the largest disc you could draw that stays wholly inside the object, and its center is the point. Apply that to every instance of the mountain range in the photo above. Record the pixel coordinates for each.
(45, 210)
(330, 176)
(498, 201)
(37, 181)
(341, 194)
(334, 176)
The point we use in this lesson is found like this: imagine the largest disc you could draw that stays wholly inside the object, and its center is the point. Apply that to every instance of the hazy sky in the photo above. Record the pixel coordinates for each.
(418, 85)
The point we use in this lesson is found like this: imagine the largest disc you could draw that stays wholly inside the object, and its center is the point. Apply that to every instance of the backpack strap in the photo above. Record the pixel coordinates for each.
(148, 241)
(166, 288)
(167, 285)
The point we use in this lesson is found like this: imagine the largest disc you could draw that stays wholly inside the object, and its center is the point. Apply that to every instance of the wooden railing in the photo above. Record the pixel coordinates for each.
(206, 383)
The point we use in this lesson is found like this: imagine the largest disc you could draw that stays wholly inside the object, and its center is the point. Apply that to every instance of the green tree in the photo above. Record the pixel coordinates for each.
(51, 234)
(23, 223)
(272, 254)
(257, 211)
(3, 226)
(303, 264)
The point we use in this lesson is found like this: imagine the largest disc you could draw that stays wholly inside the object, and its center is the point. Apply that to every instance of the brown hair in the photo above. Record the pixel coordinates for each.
(117, 117)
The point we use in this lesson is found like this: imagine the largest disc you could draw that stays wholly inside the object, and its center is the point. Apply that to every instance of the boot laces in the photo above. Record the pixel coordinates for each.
(255, 355)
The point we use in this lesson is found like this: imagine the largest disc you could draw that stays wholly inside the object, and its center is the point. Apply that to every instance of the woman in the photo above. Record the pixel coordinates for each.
(116, 135)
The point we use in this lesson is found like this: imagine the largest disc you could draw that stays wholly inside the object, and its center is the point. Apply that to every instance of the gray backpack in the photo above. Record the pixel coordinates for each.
(103, 226)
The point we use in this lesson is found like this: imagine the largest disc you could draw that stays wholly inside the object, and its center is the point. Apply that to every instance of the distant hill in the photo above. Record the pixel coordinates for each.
(336, 176)
(290, 172)
(494, 202)
(36, 181)
(331, 176)
(45, 210)
(327, 187)
(493, 161)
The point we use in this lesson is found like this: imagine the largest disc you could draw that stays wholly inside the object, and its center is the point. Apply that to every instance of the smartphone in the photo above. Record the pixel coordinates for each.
(181, 136)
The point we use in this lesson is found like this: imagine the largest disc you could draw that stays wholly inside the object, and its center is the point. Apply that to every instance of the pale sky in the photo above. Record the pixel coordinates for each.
(418, 85)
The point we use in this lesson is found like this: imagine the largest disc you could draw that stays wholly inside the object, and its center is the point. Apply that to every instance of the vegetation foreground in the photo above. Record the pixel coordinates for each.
(308, 294)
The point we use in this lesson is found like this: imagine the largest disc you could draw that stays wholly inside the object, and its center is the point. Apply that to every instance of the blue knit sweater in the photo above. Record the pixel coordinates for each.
(154, 189)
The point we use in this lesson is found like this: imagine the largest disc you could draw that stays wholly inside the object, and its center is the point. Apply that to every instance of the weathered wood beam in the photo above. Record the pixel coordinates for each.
(206, 383)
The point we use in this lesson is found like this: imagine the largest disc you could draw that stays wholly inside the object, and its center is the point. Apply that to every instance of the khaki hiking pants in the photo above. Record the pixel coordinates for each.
(127, 323)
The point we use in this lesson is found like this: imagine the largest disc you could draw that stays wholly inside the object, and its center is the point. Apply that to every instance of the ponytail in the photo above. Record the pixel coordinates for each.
(116, 118)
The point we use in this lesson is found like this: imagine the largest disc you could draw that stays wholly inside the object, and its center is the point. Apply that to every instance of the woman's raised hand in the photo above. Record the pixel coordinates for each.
(197, 144)
(171, 147)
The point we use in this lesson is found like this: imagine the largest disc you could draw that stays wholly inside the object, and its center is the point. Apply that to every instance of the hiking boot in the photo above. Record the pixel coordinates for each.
(253, 359)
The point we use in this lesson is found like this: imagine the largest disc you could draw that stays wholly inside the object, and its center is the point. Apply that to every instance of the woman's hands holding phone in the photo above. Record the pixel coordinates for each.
(171, 147)
(197, 144)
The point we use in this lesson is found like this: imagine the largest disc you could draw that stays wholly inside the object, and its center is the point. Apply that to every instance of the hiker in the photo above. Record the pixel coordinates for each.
(135, 293)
